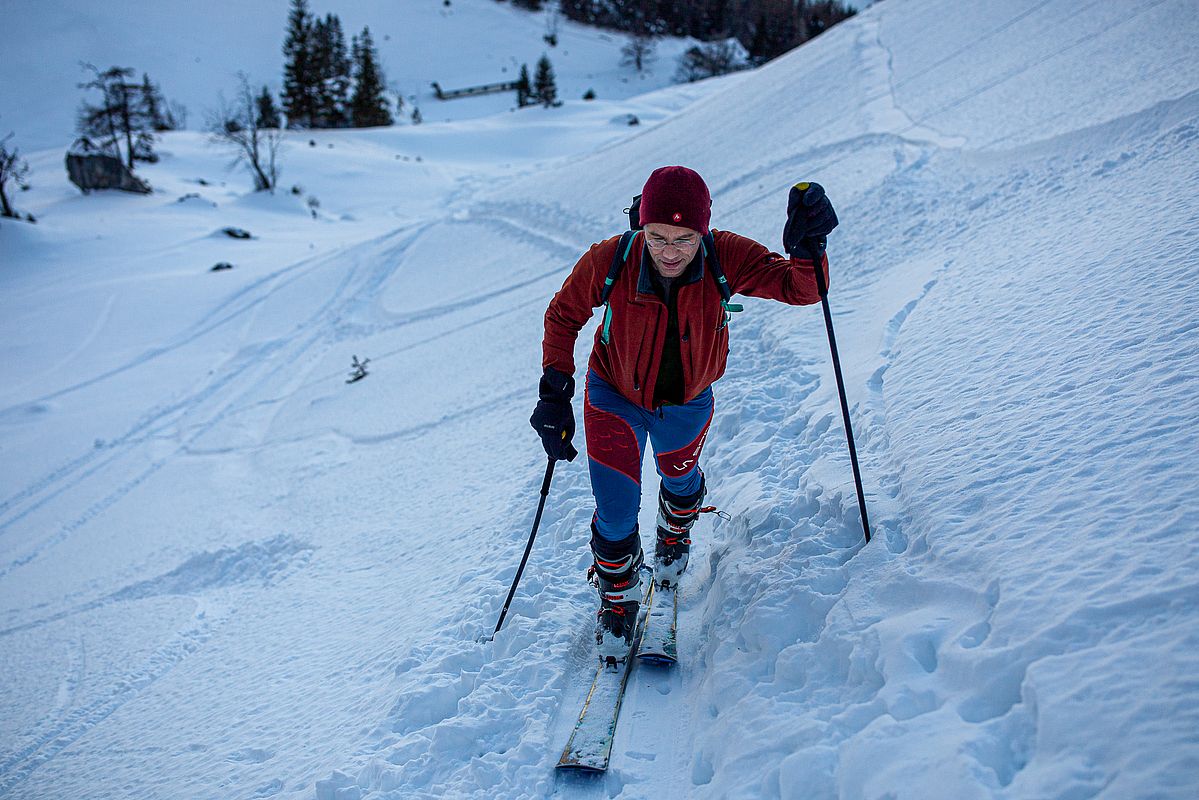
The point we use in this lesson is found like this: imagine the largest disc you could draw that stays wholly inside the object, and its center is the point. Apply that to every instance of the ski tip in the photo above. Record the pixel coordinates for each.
(657, 659)
(575, 768)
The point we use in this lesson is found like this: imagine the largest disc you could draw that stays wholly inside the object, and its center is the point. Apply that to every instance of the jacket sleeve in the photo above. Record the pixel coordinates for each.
(753, 270)
(573, 306)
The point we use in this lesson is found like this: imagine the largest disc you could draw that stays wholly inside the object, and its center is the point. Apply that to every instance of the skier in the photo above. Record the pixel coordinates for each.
(662, 344)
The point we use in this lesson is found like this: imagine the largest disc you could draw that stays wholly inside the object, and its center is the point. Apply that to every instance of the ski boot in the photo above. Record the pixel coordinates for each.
(616, 573)
(676, 515)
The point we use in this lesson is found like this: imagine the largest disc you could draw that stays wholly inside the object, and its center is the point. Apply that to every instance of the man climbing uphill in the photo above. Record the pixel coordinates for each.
(662, 344)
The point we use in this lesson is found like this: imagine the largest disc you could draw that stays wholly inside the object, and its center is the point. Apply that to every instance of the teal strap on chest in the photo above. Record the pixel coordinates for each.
(722, 283)
(617, 263)
(729, 310)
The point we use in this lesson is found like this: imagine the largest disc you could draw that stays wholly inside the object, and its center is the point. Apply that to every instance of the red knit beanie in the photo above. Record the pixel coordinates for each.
(676, 196)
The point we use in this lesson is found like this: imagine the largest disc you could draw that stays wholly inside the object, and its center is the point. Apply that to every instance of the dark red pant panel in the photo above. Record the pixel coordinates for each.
(611, 442)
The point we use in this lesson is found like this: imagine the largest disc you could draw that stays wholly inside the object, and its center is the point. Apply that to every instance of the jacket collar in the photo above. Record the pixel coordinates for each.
(693, 273)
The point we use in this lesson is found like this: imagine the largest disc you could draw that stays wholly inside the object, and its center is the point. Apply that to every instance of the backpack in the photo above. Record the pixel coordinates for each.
(622, 255)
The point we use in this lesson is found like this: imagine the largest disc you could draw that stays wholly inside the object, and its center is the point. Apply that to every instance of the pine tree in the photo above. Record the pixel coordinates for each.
(524, 88)
(121, 115)
(544, 85)
(268, 112)
(368, 106)
(299, 80)
(153, 105)
(331, 71)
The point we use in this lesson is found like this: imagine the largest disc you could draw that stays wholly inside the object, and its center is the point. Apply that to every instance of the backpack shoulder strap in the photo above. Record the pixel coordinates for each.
(722, 283)
(618, 259)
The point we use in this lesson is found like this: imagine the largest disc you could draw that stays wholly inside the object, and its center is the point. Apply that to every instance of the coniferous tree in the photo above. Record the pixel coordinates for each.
(775, 33)
(299, 78)
(544, 85)
(268, 112)
(368, 106)
(822, 15)
(767, 28)
(712, 20)
(99, 122)
(121, 115)
(153, 105)
(524, 88)
(143, 147)
(757, 42)
(319, 53)
(331, 73)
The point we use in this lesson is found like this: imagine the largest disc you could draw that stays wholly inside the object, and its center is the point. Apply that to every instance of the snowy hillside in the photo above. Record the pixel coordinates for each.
(225, 572)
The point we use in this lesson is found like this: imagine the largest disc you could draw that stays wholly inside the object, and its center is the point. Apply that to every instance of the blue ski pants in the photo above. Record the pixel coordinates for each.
(616, 430)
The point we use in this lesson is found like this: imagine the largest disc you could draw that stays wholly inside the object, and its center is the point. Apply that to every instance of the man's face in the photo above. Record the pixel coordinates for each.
(671, 247)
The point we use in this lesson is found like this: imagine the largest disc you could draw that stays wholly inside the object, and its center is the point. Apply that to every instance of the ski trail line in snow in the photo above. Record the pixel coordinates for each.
(268, 360)
(64, 732)
(240, 303)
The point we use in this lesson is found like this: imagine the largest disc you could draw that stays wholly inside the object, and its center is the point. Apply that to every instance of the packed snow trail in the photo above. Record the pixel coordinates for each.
(811, 659)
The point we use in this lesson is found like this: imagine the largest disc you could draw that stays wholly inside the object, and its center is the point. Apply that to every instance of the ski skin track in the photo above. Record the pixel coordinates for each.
(576, 757)
(656, 645)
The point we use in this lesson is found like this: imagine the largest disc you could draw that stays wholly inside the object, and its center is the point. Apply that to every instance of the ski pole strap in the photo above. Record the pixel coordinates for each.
(816, 245)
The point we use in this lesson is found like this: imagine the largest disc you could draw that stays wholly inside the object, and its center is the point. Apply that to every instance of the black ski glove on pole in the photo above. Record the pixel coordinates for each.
(553, 418)
(810, 218)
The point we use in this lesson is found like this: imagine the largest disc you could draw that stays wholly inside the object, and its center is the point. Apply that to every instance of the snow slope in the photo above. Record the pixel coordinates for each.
(225, 572)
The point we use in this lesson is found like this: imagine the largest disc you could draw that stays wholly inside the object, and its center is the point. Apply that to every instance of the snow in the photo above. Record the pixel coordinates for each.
(195, 50)
(226, 572)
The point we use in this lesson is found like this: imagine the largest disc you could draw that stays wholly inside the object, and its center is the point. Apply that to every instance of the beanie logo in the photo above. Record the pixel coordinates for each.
(677, 217)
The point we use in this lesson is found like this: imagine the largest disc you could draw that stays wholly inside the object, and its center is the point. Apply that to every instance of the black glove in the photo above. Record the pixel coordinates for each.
(553, 418)
(810, 218)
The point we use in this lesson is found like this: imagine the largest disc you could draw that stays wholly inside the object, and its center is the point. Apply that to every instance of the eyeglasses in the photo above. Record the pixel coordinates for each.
(658, 243)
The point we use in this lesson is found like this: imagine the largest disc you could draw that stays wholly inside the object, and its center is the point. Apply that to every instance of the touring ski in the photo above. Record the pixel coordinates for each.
(590, 743)
(659, 639)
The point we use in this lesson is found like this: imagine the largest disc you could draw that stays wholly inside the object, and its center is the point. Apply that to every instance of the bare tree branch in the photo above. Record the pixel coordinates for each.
(237, 126)
(12, 168)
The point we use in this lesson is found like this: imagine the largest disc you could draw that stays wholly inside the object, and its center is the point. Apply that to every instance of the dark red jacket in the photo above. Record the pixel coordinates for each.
(629, 361)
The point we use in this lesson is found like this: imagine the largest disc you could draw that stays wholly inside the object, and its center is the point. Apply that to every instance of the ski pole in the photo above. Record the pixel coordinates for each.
(817, 245)
(545, 490)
